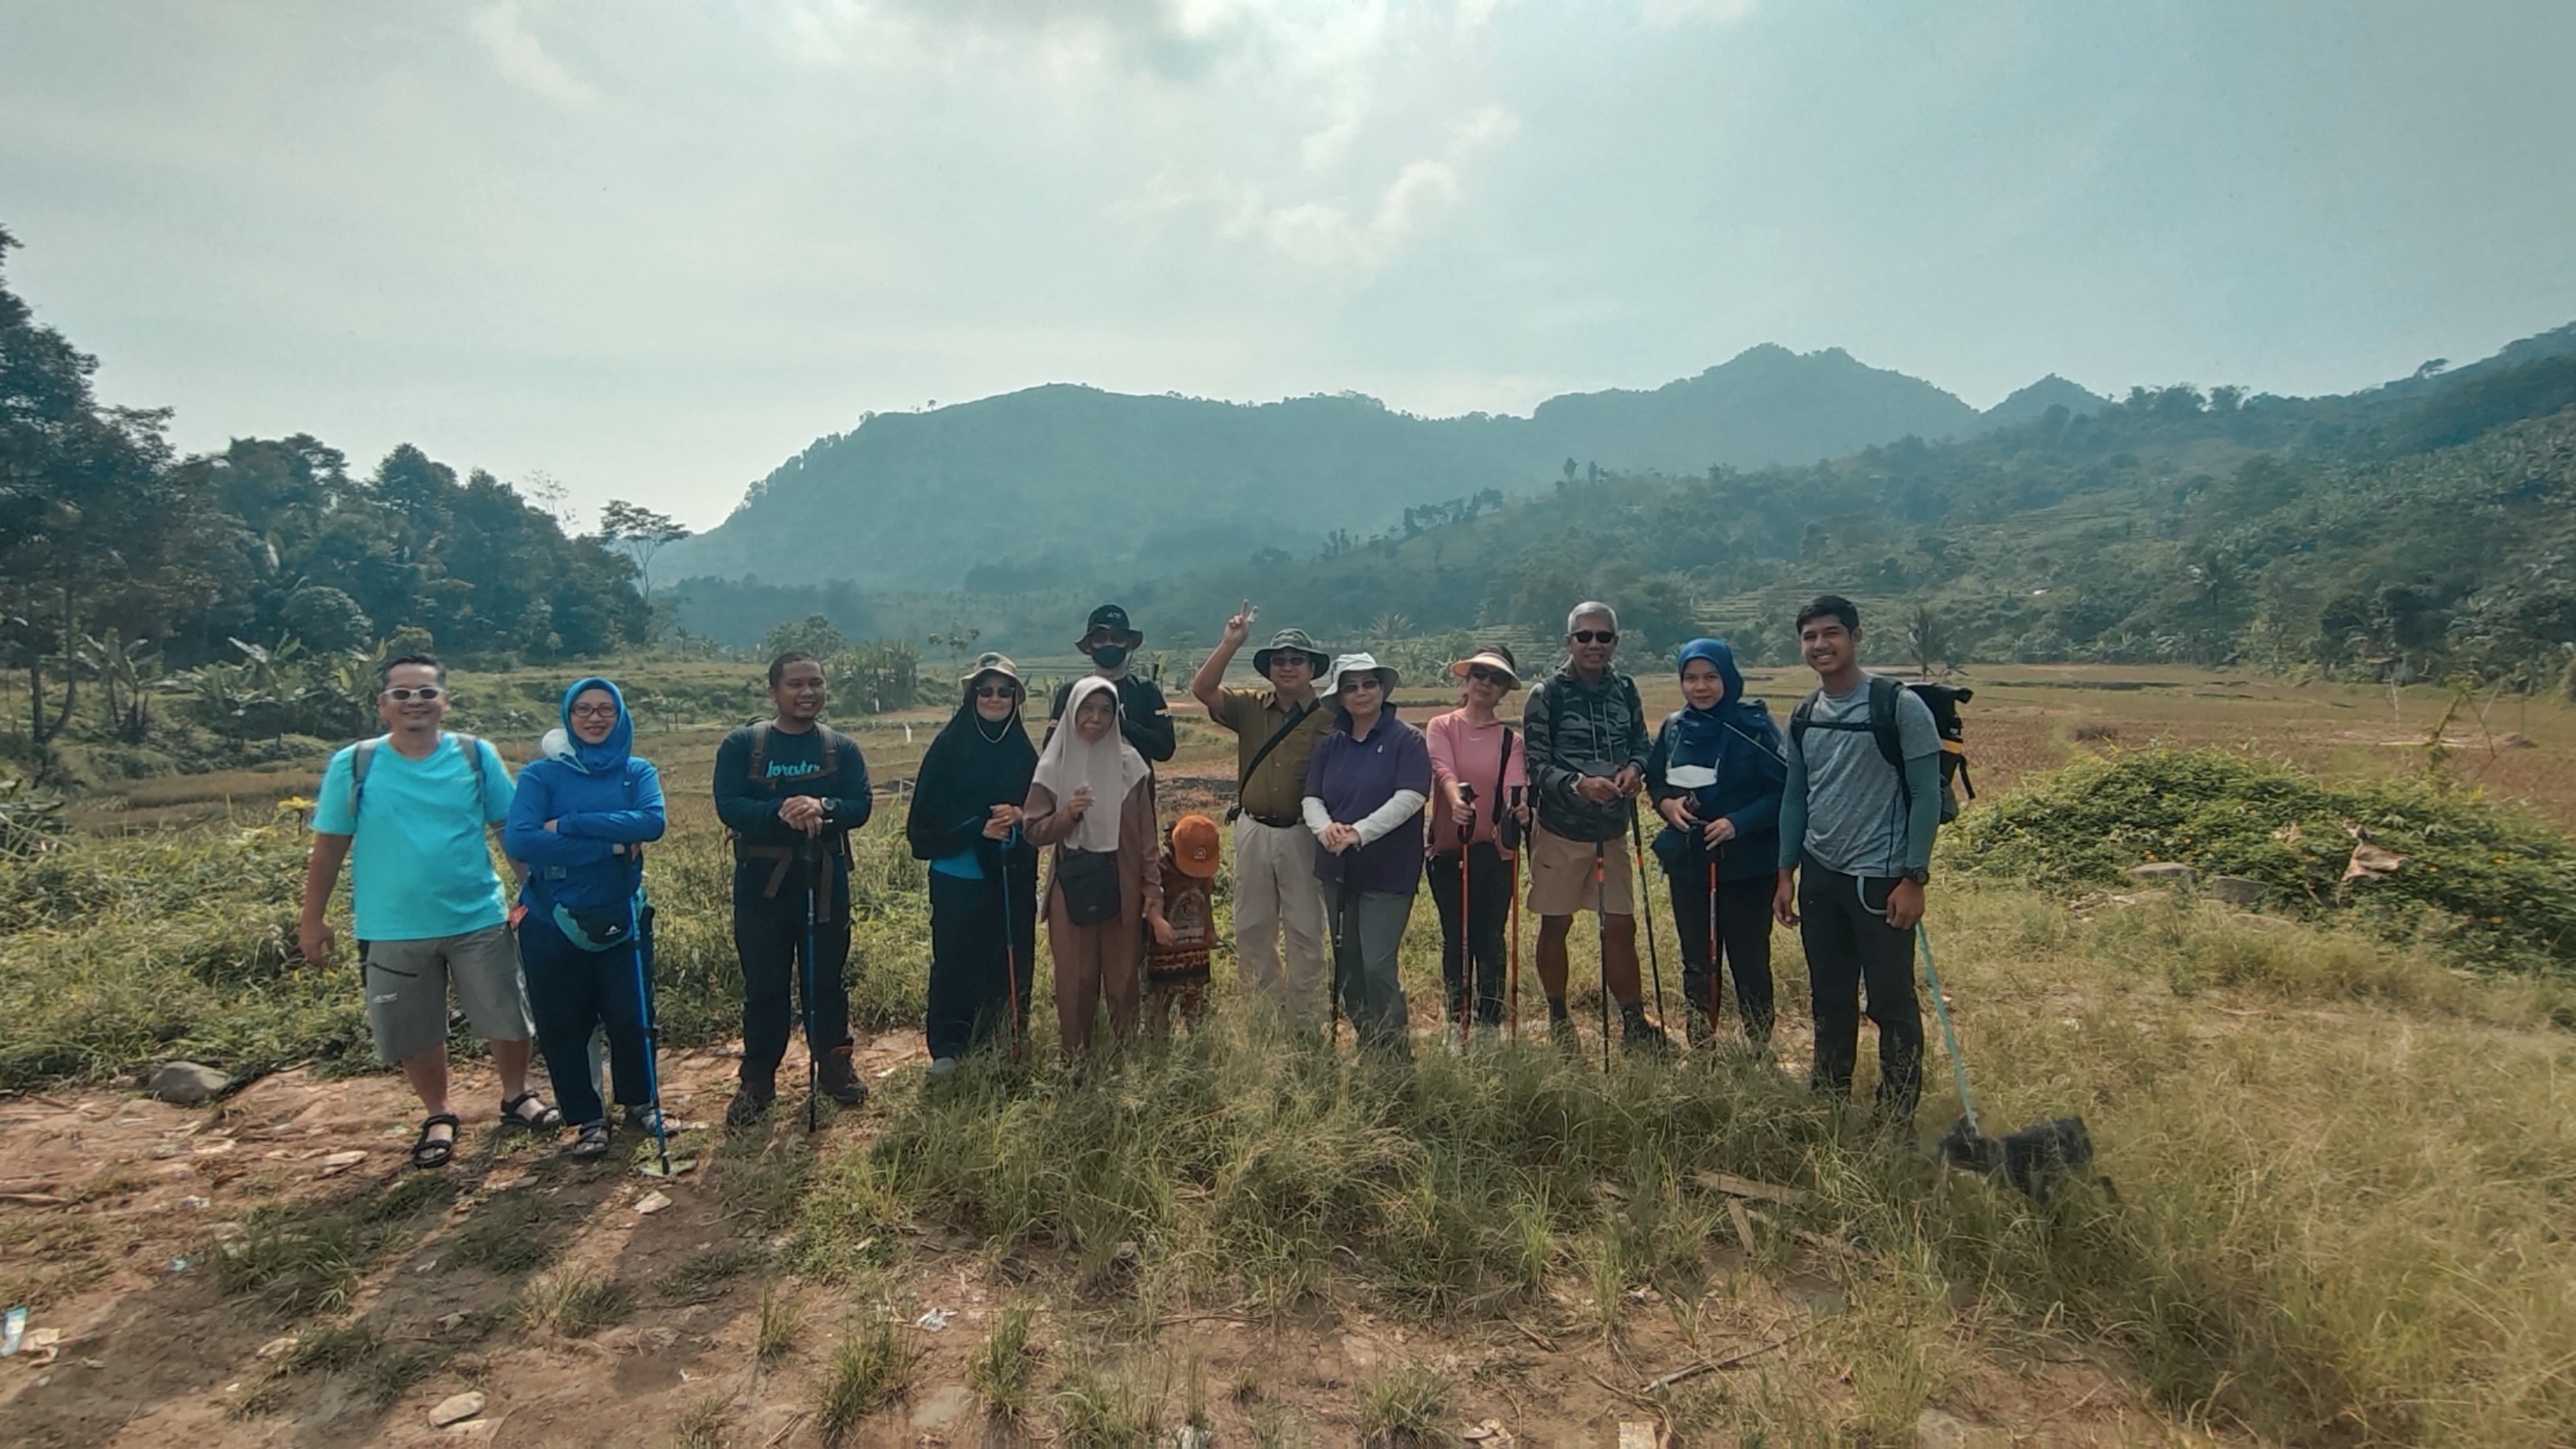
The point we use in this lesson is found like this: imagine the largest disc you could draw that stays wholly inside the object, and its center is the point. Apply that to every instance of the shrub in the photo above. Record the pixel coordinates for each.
(2496, 886)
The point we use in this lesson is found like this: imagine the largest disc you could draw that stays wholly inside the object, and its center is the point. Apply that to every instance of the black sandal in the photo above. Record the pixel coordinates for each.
(547, 1118)
(593, 1141)
(427, 1151)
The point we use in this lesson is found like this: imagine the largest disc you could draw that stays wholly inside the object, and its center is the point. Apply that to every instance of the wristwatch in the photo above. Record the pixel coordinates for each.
(1920, 875)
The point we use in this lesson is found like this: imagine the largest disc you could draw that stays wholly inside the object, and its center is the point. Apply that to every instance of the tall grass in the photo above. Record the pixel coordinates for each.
(2345, 1212)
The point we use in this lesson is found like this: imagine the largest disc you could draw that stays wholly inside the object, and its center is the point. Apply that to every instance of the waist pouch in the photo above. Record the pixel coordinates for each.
(1089, 880)
(595, 930)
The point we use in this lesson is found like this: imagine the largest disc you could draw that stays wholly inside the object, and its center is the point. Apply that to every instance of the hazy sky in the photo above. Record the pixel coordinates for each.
(653, 248)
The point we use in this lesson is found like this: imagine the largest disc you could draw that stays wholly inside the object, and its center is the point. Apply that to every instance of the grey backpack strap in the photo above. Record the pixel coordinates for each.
(362, 755)
(473, 749)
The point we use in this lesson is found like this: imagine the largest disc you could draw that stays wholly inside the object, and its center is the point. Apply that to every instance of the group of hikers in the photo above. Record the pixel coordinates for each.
(1343, 812)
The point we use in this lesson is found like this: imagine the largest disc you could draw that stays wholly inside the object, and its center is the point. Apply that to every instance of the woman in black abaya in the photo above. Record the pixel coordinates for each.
(965, 821)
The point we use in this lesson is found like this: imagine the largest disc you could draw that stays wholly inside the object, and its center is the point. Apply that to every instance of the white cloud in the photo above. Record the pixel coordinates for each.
(1677, 12)
(1331, 236)
(518, 56)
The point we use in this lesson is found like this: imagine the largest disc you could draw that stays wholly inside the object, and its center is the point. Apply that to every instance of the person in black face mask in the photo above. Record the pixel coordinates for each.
(1143, 716)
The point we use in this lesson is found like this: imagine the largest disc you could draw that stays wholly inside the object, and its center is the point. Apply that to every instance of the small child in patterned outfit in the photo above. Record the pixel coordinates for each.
(1178, 973)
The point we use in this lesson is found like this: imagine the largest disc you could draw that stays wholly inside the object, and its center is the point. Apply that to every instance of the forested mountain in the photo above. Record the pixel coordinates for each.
(1062, 486)
(2419, 528)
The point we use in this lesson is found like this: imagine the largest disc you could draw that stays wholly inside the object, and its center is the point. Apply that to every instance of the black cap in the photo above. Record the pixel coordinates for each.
(1112, 617)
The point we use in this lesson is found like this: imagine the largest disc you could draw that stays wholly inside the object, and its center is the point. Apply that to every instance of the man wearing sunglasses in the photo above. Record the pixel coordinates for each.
(411, 813)
(1276, 894)
(1584, 733)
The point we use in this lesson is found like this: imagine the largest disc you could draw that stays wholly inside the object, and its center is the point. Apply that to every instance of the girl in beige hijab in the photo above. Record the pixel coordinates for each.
(1092, 803)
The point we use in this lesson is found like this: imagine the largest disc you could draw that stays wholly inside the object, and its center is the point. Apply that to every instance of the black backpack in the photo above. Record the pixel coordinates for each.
(1942, 699)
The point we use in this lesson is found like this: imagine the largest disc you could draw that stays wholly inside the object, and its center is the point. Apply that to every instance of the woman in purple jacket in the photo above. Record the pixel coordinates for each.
(1365, 789)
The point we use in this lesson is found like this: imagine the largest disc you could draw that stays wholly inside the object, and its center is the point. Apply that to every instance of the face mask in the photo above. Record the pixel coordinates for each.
(1109, 656)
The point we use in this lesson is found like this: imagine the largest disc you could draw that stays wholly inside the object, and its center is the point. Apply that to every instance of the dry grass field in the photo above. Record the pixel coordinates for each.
(2344, 1212)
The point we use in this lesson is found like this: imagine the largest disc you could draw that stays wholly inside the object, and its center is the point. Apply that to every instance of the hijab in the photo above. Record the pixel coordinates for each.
(970, 767)
(1109, 767)
(1701, 737)
(608, 756)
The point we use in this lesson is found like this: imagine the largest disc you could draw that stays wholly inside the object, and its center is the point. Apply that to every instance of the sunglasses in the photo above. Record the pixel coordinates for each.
(994, 691)
(1362, 681)
(1594, 636)
(1482, 675)
(594, 711)
(402, 695)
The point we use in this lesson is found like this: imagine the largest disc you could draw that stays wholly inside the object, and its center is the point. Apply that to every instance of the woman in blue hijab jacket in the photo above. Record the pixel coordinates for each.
(1715, 774)
(580, 818)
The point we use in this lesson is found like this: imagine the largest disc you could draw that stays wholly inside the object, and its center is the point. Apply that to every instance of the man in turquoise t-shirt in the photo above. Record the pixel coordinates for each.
(428, 904)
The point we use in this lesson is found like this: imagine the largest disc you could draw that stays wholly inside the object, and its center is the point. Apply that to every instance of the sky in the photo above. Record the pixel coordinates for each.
(650, 250)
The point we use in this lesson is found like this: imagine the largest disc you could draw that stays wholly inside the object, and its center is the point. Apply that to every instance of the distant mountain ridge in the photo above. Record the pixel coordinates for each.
(1059, 484)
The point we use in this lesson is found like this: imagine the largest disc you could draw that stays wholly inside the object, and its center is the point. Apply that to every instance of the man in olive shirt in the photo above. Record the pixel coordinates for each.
(1275, 889)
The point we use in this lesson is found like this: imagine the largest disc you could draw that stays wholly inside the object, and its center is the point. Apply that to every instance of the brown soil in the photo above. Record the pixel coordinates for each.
(114, 1204)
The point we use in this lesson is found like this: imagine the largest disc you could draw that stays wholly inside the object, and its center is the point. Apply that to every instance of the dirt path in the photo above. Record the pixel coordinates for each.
(116, 1205)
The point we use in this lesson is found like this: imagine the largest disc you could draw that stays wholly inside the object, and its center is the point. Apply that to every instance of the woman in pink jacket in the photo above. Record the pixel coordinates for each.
(1476, 772)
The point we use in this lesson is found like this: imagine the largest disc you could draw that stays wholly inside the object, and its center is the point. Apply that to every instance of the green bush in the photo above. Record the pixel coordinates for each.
(2495, 886)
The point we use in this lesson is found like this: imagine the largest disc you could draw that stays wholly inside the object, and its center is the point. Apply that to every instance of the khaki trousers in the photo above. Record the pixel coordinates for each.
(1276, 894)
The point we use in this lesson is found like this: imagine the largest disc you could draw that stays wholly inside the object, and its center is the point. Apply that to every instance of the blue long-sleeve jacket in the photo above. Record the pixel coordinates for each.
(603, 815)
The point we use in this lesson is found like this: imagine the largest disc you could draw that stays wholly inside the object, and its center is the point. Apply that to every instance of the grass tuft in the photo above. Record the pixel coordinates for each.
(869, 1369)
(702, 1425)
(1405, 1407)
(781, 1320)
(1004, 1371)
(576, 1304)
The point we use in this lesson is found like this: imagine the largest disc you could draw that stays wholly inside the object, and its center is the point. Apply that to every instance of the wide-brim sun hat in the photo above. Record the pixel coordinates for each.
(1349, 664)
(991, 663)
(1492, 656)
(1295, 641)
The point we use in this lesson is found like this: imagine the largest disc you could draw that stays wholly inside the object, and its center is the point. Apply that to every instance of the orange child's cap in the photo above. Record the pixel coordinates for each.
(1194, 845)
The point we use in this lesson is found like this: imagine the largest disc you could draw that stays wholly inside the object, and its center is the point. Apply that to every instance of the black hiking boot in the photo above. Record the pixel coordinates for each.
(748, 1106)
(841, 1080)
(1562, 1034)
(1637, 1034)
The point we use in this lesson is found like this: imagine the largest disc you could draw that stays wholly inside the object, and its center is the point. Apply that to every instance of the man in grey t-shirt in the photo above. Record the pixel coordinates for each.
(1855, 851)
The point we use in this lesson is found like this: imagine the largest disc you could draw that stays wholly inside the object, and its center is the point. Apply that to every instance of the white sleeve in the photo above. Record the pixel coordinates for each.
(1402, 806)
(1317, 817)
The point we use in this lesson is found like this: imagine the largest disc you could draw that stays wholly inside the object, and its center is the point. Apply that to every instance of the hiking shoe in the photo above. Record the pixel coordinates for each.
(1561, 1034)
(748, 1105)
(942, 1066)
(840, 1079)
(1637, 1034)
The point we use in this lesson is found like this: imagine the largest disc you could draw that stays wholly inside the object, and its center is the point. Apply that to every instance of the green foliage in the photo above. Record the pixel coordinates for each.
(2495, 885)
(869, 1369)
(1405, 1407)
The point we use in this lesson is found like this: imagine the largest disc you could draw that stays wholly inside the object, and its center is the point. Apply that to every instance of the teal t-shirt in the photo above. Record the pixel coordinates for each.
(420, 866)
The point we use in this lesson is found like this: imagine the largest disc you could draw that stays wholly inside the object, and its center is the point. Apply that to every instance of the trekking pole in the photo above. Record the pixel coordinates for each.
(1011, 951)
(1601, 919)
(1637, 838)
(635, 940)
(1513, 971)
(1714, 858)
(1466, 992)
(1341, 903)
(1949, 1038)
(805, 985)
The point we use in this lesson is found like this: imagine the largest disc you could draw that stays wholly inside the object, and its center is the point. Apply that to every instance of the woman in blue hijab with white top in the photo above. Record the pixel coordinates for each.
(580, 819)
(1715, 775)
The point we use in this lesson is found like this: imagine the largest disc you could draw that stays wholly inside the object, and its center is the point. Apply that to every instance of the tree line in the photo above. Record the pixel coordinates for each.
(264, 570)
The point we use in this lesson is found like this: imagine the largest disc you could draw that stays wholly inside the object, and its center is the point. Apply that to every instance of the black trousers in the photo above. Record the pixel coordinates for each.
(973, 960)
(769, 936)
(1742, 910)
(1489, 903)
(1850, 945)
(572, 992)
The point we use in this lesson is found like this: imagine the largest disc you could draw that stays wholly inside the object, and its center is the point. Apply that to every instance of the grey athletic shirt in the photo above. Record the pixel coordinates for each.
(1856, 803)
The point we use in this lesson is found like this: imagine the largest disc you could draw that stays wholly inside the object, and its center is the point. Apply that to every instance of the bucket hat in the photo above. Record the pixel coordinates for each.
(991, 663)
(1295, 641)
(1350, 664)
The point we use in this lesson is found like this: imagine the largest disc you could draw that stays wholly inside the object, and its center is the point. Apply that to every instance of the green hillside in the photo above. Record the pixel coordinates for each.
(1065, 486)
